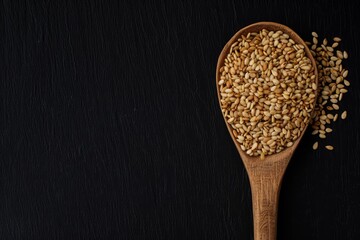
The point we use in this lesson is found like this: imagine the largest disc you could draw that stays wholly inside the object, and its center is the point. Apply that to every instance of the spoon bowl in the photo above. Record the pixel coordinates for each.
(265, 175)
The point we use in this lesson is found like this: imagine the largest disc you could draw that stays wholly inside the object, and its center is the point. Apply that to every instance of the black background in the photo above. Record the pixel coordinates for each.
(110, 126)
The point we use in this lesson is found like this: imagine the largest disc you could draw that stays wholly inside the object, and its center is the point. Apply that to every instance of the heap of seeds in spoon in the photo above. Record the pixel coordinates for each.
(331, 88)
(267, 90)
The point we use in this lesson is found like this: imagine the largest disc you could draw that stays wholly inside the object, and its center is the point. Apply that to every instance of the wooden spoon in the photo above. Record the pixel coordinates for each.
(265, 175)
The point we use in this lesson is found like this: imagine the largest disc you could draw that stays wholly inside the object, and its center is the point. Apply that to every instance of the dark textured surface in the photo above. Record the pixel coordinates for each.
(110, 126)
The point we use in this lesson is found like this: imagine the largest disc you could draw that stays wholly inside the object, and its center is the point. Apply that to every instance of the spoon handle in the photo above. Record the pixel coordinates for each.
(265, 180)
(265, 196)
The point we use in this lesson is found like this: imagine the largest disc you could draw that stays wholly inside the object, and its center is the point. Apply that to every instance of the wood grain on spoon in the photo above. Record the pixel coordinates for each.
(265, 175)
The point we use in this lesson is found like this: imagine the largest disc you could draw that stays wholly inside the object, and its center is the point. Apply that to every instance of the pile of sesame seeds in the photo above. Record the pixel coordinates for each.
(267, 91)
(332, 86)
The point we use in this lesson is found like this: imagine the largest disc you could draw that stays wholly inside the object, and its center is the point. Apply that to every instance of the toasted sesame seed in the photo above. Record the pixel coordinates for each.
(329, 147)
(344, 115)
(314, 86)
(230, 120)
(339, 54)
(341, 96)
(315, 41)
(315, 146)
